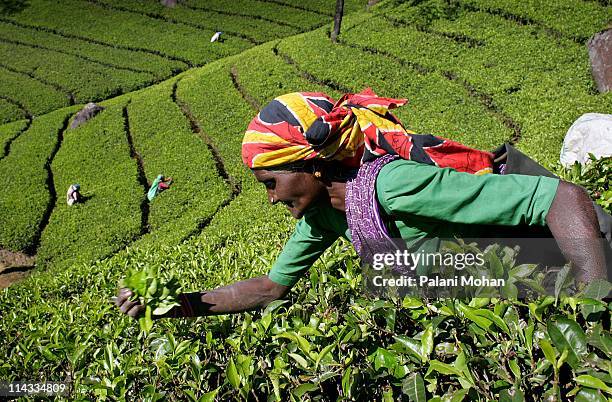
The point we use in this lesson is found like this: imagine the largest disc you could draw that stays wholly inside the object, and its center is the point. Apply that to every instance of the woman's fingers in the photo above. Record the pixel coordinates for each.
(126, 306)
(123, 294)
(135, 311)
(132, 308)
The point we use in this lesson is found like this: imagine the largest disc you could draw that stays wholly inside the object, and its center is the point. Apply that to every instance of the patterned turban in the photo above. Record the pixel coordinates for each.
(300, 126)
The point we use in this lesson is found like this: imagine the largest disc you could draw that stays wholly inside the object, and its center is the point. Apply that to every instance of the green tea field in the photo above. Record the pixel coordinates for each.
(482, 72)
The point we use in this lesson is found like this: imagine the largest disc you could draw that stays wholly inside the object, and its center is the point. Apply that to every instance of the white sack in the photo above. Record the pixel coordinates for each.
(591, 133)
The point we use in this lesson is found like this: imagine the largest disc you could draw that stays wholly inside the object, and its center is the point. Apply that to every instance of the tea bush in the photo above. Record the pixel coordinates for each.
(121, 59)
(37, 98)
(163, 139)
(92, 21)
(10, 131)
(322, 7)
(436, 105)
(577, 19)
(9, 112)
(300, 19)
(220, 110)
(97, 156)
(80, 78)
(24, 179)
(497, 70)
(233, 26)
(278, 76)
(595, 176)
(326, 341)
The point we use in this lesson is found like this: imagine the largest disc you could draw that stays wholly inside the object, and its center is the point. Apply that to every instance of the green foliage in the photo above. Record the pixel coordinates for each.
(577, 19)
(25, 196)
(149, 288)
(158, 66)
(540, 83)
(594, 176)
(12, 6)
(302, 20)
(436, 105)
(128, 29)
(36, 97)
(279, 77)
(232, 25)
(86, 81)
(163, 139)
(327, 340)
(9, 112)
(9, 131)
(95, 155)
(222, 113)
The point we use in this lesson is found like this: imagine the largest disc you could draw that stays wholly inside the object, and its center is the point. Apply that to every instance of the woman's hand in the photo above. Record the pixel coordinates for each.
(132, 308)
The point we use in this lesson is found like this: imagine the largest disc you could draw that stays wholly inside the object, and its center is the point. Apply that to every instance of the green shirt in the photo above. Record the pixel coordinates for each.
(423, 201)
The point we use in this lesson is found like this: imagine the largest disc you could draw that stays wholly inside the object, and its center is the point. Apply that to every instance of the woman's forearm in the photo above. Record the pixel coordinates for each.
(573, 222)
(241, 296)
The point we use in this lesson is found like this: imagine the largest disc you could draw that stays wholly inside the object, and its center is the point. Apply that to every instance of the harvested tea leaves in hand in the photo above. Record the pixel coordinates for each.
(158, 293)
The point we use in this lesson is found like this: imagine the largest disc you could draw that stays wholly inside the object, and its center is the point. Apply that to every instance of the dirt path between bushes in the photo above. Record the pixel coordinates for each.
(14, 267)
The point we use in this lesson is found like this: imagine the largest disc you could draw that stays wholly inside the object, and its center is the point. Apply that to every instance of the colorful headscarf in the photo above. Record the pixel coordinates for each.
(357, 128)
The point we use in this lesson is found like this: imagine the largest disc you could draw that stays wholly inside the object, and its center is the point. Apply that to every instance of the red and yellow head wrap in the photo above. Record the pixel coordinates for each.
(359, 127)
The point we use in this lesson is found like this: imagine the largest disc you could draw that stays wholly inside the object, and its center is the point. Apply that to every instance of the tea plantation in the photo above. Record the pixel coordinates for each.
(480, 72)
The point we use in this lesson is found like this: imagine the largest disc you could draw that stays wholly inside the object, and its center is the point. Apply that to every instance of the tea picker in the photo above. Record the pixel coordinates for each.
(73, 195)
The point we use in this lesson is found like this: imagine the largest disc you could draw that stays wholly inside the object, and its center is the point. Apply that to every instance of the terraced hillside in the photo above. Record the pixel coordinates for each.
(478, 72)
(59, 55)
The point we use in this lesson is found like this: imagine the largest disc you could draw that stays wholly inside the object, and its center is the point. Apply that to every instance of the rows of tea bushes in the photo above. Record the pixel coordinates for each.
(574, 18)
(278, 78)
(9, 111)
(221, 112)
(299, 19)
(557, 91)
(92, 21)
(436, 105)
(97, 53)
(164, 140)
(84, 80)
(321, 7)
(96, 156)
(25, 198)
(327, 340)
(8, 132)
(71, 47)
(37, 98)
(543, 103)
(233, 26)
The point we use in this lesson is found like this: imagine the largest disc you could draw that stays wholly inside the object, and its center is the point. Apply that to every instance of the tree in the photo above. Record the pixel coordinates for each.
(337, 20)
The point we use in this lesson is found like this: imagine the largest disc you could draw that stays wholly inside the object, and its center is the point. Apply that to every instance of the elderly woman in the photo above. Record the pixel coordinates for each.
(349, 168)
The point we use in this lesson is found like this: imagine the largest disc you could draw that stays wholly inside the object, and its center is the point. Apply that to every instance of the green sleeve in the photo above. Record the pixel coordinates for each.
(313, 234)
(409, 189)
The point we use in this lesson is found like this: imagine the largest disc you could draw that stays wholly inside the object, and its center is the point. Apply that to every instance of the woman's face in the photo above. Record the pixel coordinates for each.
(297, 190)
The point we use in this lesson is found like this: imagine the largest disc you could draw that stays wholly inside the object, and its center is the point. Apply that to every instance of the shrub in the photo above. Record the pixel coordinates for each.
(97, 156)
(26, 196)
(9, 131)
(166, 144)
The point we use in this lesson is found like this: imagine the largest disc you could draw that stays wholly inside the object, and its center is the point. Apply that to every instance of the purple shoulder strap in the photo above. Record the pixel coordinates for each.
(369, 234)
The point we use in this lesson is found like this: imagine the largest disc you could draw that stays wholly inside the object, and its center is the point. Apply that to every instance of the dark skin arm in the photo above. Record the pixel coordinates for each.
(573, 222)
(241, 296)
